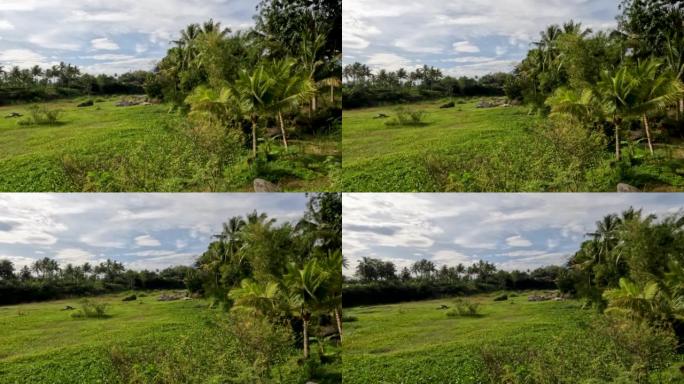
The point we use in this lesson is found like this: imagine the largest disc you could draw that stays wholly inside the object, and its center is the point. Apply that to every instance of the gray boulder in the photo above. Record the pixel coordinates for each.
(261, 185)
(13, 115)
(624, 187)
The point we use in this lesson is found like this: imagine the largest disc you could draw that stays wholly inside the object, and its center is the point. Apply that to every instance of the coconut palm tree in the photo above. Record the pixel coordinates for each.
(310, 46)
(656, 91)
(291, 88)
(674, 57)
(619, 93)
(307, 285)
(254, 93)
(263, 299)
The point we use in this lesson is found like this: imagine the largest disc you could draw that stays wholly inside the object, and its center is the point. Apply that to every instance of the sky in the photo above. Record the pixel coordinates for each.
(470, 38)
(513, 231)
(105, 36)
(143, 231)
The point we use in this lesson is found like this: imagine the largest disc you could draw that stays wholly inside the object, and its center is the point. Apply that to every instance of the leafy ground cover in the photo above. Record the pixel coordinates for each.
(144, 148)
(466, 148)
(143, 341)
(511, 341)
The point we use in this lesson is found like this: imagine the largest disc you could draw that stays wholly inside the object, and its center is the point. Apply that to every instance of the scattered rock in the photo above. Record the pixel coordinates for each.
(171, 297)
(624, 187)
(261, 185)
(503, 297)
(450, 104)
(130, 298)
(88, 103)
(380, 116)
(443, 307)
(13, 115)
(68, 308)
(538, 298)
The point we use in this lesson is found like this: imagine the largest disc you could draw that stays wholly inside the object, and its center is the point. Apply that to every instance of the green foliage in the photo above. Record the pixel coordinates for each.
(91, 309)
(41, 115)
(464, 307)
(407, 117)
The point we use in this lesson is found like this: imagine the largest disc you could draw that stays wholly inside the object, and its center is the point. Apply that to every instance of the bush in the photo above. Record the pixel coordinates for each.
(41, 115)
(130, 298)
(407, 117)
(503, 297)
(464, 307)
(91, 309)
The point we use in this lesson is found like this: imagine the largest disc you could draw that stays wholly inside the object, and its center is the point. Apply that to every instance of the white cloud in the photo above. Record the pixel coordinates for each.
(104, 44)
(518, 241)
(465, 47)
(180, 244)
(20, 57)
(6, 25)
(389, 61)
(74, 256)
(147, 241)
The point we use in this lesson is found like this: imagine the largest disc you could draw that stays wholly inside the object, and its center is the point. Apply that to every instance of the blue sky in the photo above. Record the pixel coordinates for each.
(461, 37)
(514, 231)
(105, 36)
(141, 230)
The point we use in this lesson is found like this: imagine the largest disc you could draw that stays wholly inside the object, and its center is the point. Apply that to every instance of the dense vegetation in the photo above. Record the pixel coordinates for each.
(262, 103)
(629, 270)
(363, 88)
(273, 288)
(64, 80)
(591, 94)
(378, 282)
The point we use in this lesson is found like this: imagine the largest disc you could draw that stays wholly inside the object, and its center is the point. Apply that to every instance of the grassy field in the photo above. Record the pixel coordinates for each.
(490, 149)
(418, 343)
(142, 341)
(143, 148)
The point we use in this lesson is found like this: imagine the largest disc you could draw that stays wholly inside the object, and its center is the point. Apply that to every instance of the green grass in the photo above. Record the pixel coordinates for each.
(490, 149)
(143, 148)
(416, 342)
(141, 341)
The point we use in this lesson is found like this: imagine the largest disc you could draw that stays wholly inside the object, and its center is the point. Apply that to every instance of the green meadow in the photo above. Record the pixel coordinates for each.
(511, 341)
(141, 341)
(497, 149)
(105, 148)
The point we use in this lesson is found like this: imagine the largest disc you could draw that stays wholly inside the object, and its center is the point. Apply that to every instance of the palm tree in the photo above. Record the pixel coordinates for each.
(290, 89)
(311, 45)
(263, 299)
(618, 91)
(333, 264)
(254, 94)
(656, 91)
(674, 56)
(306, 285)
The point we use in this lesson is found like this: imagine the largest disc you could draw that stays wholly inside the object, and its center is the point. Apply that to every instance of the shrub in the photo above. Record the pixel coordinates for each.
(503, 297)
(130, 298)
(41, 115)
(91, 309)
(407, 117)
(464, 308)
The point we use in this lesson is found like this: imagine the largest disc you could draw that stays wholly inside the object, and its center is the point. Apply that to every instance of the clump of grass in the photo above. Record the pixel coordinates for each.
(91, 309)
(349, 319)
(407, 117)
(41, 115)
(464, 307)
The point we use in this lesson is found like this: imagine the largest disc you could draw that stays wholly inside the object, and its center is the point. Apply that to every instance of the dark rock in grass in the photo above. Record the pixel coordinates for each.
(88, 103)
(623, 187)
(68, 308)
(130, 298)
(13, 115)
(380, 116)
(538, 298)
(165, 297)
(261, 185)
(450, 104)
(503, 297)
(443, 307)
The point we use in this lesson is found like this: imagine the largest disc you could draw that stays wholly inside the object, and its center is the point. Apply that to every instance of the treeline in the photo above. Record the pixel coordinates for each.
(633, 266)
(284, 72)
(364, 88)
(285, 273)
(376, 281)
(63, 80)
(46, 280)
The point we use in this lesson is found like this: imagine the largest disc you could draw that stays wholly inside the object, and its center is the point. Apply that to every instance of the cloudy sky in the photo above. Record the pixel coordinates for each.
(514, 231)
(461, 37)
(105, 36)
(141, 230)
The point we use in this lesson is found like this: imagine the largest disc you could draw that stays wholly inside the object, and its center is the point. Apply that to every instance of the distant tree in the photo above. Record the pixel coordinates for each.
(6, 270)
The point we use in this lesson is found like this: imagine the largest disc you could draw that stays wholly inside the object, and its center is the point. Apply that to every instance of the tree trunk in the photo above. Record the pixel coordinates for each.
(254, 140)
(332, 95)
(338, 318)
(617, 142)
(648, 133)
(282, 128)
(313, 103)
(305, 320)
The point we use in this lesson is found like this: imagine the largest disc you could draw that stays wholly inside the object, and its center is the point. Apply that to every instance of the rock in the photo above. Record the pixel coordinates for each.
(68, 308)
(537, 298)
(450, 104)
(624, 187)
(88, 103)
(503, 297)
(172, 297)
(130, 298)
(380, 116)
(13, 115)
(443, 307)
(261, 185)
